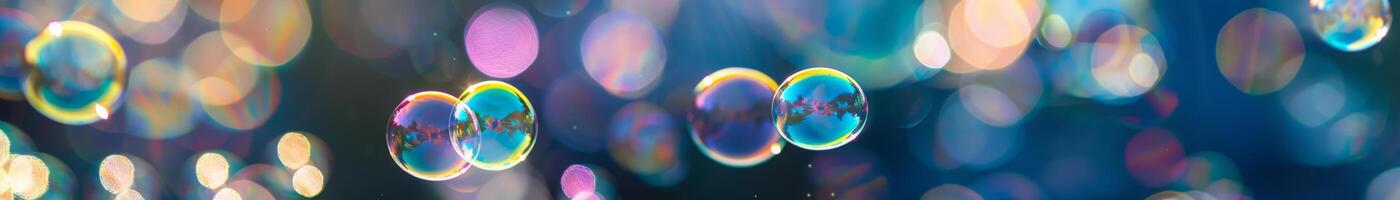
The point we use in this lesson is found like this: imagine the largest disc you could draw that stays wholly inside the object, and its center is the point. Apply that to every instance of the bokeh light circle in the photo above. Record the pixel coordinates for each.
(308, 181)
(931, 49)
(493, 125)
(16, 29)
(147, 10)
(733, 121)
(1055, 32)
(28, 176)
(1259, 63)
(1155, 157)
(501, 40)
(227, 194)
(1006, 185)
(265, 32)
(152, 22)
(116, 173)
(419, 137)
(578, 180)
(999, 23)
(220, 78)
(1351, 25)
(623, 53)
(976, 51)
(964, 140)
(129, 195)
(645, 140)
(157, 105)
(77, 72)
(212, 170)
(819, 109)
(1127, 61)
(293, 150)
(951, 192)
(1384, 186)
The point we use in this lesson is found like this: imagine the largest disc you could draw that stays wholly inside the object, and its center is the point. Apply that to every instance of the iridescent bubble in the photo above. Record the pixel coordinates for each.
(1259, 63)
(267, 33)
(75, 70)
(1127, 61)
(1004, 185)
(15, 30)
(1351, 25)
(819, 109)
(156, 100)
(308, 181)
(623, 53)
(732, 122)
(1055, 32)
(951, 192)
(419, 137)
(501, 40)
(1384, 186)
(577, 181)
(931, 49)
(559, 8)
(645, 140)
(493, 126)
(1155, 158)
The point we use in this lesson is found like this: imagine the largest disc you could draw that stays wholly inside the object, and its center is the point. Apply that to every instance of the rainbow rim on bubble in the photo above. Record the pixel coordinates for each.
(811, 72)
(517, 155)
(106, 102)
(719, 77)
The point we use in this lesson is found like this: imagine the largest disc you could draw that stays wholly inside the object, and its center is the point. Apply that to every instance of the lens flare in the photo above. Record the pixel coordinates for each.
(308, 181)
(1351, 25)
(419, 139)
(732, 122)
(493, 125)
(820, 109)
(267, 33)
(15, 30)
(1259, 63)
(501, 40)
(644, 140)
(624, 54)
(116, 173)
(74, 67)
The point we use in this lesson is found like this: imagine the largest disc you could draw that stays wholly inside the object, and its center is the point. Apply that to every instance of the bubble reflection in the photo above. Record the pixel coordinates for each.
(419, 140)
(74, 68)
(820, 109)
(493, 125)
(732, 122)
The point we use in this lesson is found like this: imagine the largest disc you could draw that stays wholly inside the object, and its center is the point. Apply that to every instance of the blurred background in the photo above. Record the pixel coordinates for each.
(1014, 99)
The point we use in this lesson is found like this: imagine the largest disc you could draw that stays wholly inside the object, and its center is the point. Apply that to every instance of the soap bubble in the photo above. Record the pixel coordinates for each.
(419, 138)
(76, 72)
(820, 109)
(1351, 25)
(493, 125)
(732, 122)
